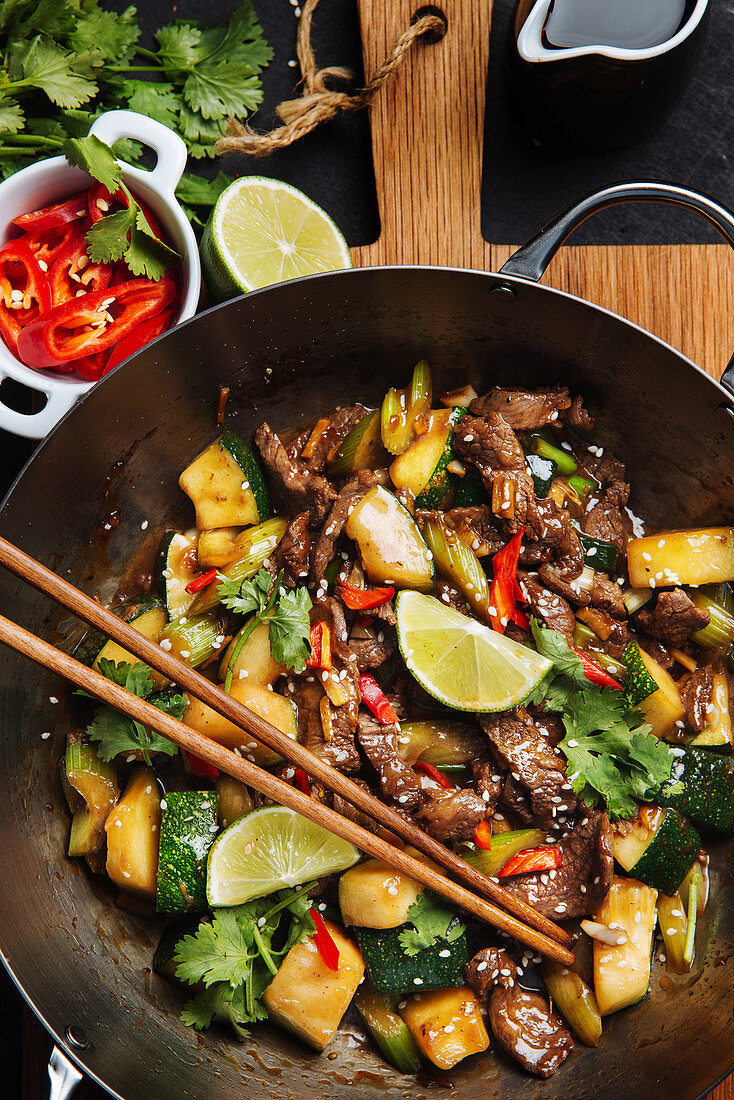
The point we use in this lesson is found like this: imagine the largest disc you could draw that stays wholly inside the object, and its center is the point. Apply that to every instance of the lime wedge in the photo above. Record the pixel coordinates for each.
(263, 231)
(268, 849)
(462, 662)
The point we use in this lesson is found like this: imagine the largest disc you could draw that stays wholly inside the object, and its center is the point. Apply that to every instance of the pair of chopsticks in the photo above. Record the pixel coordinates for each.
(502, 910)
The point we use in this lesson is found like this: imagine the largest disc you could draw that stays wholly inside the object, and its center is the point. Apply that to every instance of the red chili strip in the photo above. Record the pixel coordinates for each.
(324, 941)
(302, 782)
(502, 592)
(594, 673)
(375, 699)
(202, 581)
(534, 859)
(520, 619)
(320, 647)
(434, 774)
(364, 599)
(51, 217)
(483, 835)
(200, 767)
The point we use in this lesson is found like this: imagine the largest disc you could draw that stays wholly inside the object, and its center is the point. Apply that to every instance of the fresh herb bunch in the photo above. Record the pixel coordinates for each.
(64, 62)
(432, 921)
(115, 733)
(612, 757)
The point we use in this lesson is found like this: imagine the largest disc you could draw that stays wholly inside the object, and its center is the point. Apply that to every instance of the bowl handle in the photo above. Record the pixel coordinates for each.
(168, 146)
(63, 1075)
(59, 400)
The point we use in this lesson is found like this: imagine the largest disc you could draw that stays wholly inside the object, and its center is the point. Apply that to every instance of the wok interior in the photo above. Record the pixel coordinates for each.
(289, 354)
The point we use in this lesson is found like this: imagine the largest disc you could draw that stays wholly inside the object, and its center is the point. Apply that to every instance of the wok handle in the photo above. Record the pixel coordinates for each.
(64, 1076)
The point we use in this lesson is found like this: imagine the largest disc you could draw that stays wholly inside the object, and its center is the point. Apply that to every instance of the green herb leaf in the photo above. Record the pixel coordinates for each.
(247, 595)
(97, 160)
(431, 920)
(218, 952)
(290, 629)
(554, 646)
(115, 732)
(63, 76)
(111, 34)
(156, 100)
(11, 117)
(136, 678)
(200, 192)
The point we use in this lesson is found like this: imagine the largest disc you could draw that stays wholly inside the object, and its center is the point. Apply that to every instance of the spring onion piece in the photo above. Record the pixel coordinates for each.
(690, 945)
(635, 598)
(388, 1030)
(701, 870)
(194, 639)
(673, 924)
(504, 846)
(254, 546)
(401, 408)
(96, 784)
(574, 1000)
(719, 634)
(455, 399)
(565, 462)
(459, 563)
(581, 485)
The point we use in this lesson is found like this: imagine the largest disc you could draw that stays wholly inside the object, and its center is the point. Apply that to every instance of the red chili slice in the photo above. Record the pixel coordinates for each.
(59, 213)
(200, 767)
(534, 859)
(101, 202)
(364, 599)
(302, 782)
(323, 939)
(73, 273)
(47, 244)
(434, 774)
(594, 673)
(374, 697)
(24, 291)
(202, 581)
(320, 647)
(483, 835)
(502, 592)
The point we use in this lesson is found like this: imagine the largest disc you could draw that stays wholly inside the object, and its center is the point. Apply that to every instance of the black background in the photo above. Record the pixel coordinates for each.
(522, 188)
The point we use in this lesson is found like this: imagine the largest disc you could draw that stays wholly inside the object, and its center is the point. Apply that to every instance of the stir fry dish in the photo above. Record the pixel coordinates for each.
(448, 599)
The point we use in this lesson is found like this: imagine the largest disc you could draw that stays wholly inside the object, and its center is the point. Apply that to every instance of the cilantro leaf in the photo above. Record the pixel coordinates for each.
(197, 191)
(111, 34)
(217, 952)
(115, 732)
(63, 76)
(290, 629)
(554, 646)
(136, 678)
(179, 44)
(146, 254)
(11, 117)
(97, 160)
(156, 100)
(431, 921)
(247, 595)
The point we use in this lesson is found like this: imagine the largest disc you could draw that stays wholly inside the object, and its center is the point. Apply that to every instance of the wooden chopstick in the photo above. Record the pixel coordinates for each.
(48, 582)
(269, 785)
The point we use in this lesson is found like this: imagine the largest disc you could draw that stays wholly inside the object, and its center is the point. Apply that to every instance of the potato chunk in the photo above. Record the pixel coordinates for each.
(374, 895)
(704, 555)
(274, 708)
(446, 1024)
(133, 835)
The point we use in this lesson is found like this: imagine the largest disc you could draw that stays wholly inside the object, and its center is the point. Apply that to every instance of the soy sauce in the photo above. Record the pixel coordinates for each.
(625, 24)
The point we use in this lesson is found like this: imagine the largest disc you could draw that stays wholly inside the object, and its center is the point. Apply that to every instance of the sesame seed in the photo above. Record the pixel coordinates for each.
(45, 736)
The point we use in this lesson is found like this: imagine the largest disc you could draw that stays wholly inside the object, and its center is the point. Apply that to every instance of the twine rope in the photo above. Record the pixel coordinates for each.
(318, 102)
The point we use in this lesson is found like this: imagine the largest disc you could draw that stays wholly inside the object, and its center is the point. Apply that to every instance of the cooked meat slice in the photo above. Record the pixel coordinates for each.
(577, 416)
(697, 697)
(524, 409)
(294, 446)
(524, 749)
(340, 750)
(490, 444)
(673, 618)
(348, 497)
(550, 725)
(451, 814)
(607, 596)
(489, 967)
(607, 520)
(346, 809)
(612, 632)
(448, 594)
(550, 607)
(578, 887)
(604, 466)
(657, 651)
(529, 1030)
(329, 610)
(398, 781)
(372, 645)
(340, 424)
(296, 546)
(294, 487)
(488, 783)
(515, 798)
(569, 589)
(475, 525)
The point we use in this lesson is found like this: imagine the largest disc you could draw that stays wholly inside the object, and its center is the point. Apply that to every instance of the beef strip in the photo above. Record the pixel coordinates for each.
(488, 968)
(341, 423)
(522, 747)
(607, 520)
(697, 697)
(329, 610)
(296, 546)
(372, 645)
(657, 651)
(673, 618)
(451, 814)
(525, 410)
(294, 487)
(578, 887)
(607, 596)
(340, 751)
(348, 497)
(577, 416)
(446, 592)
(550, 607)
(528, 1029)
(488, 783)
(604, 467)
(569, 589)
(475, 525)
(398, 781)
(514, 798)
(346, 809)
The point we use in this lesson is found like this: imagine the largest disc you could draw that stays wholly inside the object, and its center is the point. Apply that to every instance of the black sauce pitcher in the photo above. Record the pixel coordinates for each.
(572, 90)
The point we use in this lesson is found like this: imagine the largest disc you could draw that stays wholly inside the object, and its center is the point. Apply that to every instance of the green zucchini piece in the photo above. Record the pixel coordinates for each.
(701, 786)
(361, 449)
(638, 683)
(470, 491)
(147, 614)
(574, 1000)
(599, 554)
(504, 847)
(421, 468)
(226, 485)
(194, 639)
(659, 850)
(401, 407)
(176, 566)
(389, 1031)
(542, 471)
(233, 800)
(459, 563)
(254, 546)
(444, 743)
(188, 827)
(392, 548)
(390, 970)
(622, 972)
(96, 783)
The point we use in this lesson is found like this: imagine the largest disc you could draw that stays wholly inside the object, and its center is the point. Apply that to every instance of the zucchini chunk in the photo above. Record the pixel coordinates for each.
(701, 786)
(389, 1031)
(277, 710)
(543, 472)
(361, 449)
(177, 565)
(459, 563)
(226, 485)
(574, 1000)
(638, 683)
(133, 829)
(599, 554)
(704, 555)
(308, 998)
(622, 973)
(663, 708)
(391, 546)
(504, 847)
(422, 468)
(659, 849)
(374, 895)
(470, 491)
(194, 639)
(255, 661)
(402, 409)
(146, 614)
(233, 800)
(96, 783)
(254, 546)
(188, 828)
(717, 731)
(441, 742)
(391, 970)
(673, 925)
(447, 1025)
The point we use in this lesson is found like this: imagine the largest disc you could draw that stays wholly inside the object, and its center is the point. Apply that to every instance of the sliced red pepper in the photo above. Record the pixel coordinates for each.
(47, 244)
(302, 782)
(59, 213)
(364, 599)
(594, 673)
(73, 272)
(483, 835)
(520, 618)
(100, 203)
(202, 581)
(534, 859)
(141, 335)
(24, 290)
(375, 699)
(324, 941)
(502, 592)
(434, 774)
(200, 767)
(92, 323)
(91, 367)
(320, 647)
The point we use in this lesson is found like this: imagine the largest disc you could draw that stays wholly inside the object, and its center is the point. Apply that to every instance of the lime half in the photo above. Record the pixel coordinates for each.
(462, 662)
(268, 849)
(263, 231)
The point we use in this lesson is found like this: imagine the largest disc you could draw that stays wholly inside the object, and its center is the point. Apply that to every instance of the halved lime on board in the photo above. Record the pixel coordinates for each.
(271, 848)
(462, 662)
(262, 231)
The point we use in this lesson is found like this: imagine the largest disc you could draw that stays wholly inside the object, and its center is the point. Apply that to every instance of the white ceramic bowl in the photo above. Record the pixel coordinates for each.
(50, 181)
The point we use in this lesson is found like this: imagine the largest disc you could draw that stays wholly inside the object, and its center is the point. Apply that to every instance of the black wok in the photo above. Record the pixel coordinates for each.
(289, 353)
